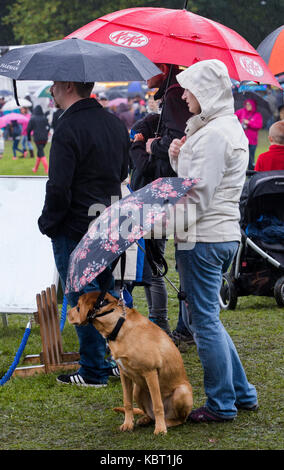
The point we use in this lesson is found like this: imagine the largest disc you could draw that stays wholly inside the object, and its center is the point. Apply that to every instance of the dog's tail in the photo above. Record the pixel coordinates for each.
(136, 411)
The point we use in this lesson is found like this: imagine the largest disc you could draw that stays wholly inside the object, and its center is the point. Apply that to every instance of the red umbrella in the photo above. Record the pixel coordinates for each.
(178, 37)
(271, 50)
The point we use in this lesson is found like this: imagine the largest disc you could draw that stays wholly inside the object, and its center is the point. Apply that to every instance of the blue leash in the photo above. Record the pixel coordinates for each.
(63, 313)
(27, 332)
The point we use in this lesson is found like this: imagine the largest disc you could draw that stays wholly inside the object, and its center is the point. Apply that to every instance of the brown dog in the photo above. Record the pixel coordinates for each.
(151, 367)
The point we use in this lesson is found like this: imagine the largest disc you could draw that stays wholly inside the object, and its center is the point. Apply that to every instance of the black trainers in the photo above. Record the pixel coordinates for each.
(115, 372)
(77, 379)
(113, 368)
(182, 341)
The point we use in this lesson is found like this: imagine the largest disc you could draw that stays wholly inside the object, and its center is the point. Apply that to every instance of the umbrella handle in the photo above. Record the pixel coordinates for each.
(160, 117)
(15, 92)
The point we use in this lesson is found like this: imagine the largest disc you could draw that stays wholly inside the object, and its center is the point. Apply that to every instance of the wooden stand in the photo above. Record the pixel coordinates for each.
(52, 357)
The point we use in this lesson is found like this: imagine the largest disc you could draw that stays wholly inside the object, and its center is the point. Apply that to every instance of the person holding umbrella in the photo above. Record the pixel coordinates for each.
(216, 151)
(88, 162)
(150, 159)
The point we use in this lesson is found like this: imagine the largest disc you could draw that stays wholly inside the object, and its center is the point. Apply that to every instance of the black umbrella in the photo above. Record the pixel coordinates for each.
(262, 105)
(76, 60)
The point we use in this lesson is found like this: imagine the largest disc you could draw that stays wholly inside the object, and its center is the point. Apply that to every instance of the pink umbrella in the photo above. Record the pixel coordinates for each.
(7, 118)
(117, 101)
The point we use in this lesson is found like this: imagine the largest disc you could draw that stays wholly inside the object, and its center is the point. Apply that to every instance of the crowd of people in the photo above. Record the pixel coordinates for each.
(194, 131)
(188, 128)
(32, 126)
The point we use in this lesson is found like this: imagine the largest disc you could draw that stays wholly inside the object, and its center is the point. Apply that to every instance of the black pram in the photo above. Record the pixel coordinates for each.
(258, 268)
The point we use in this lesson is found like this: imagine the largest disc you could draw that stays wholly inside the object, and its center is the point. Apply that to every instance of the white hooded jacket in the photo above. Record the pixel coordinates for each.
(216, 151)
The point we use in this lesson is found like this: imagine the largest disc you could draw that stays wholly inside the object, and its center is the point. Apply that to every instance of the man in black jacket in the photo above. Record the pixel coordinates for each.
(88, 162)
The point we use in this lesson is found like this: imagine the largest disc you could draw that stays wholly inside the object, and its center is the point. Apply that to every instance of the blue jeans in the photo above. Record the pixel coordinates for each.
(252, 149)
(200, 271)
(92, 344)
(16, 141)
(26, 142)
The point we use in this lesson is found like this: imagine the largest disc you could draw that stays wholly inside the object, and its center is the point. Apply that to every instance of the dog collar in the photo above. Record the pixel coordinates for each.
(112, 336)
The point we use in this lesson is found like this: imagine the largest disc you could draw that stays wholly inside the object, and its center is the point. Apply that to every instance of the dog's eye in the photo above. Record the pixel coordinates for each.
(78, 308)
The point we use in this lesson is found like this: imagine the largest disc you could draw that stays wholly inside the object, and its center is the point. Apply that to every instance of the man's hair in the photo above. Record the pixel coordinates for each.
(276, 132)
(84, 89)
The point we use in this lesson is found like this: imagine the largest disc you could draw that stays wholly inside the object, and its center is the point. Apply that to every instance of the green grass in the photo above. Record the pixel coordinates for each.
(37, 413)
(21, 166)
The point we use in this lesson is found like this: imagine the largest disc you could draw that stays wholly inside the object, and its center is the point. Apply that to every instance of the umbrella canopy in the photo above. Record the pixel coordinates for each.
(117, 101)
(43, 91)
(76, 60)
(11, 104)
(262, 105)
(5, 93)
(110, 235)
(7, 118)
(271, 49)
(178, 37)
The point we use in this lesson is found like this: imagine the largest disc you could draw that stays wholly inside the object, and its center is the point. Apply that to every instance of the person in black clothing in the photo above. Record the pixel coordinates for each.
(55, 117)
(150, 160)
(88, 162)
(38, 124)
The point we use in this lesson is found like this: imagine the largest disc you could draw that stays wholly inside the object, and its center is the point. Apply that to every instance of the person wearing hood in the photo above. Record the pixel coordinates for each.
(251, 122)
(215, 151)
(150, 160)
(126, 115)
(38, 124)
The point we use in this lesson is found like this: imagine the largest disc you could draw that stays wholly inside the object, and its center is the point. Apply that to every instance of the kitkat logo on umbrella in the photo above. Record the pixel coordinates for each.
(129, 38)
(251, 66)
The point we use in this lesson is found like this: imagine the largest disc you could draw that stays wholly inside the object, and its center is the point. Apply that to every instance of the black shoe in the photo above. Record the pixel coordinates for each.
(77, 379)
(204, 415)
(113, 369)
(247, 407)
(182, 341)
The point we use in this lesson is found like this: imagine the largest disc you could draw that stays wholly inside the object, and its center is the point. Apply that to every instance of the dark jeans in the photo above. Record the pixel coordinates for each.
(40, 148)
(92, 344)
(157, 294)
(252, 149)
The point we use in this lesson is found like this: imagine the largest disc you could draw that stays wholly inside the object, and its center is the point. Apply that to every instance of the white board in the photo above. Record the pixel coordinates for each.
(26, 258)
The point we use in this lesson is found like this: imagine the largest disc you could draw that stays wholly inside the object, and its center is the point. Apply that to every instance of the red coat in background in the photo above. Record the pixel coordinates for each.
(255, 121)
(273, 159)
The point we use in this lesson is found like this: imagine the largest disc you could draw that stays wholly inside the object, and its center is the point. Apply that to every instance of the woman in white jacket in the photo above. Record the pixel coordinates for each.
(215, 150)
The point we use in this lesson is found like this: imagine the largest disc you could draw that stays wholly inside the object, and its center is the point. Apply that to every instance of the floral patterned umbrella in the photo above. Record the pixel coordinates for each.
(120, 225)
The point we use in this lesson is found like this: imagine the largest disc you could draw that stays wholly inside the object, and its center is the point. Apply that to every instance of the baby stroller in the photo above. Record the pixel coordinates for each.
(258, 267)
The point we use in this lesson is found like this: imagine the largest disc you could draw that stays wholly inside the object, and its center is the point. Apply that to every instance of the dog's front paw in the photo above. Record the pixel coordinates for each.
(160, 430)
(127, 426)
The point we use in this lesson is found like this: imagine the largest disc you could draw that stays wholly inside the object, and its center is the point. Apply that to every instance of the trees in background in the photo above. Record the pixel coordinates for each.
(32, 21)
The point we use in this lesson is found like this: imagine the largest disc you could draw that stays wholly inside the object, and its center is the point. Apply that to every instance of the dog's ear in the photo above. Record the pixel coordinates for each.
(110, 298)
(86, 302)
